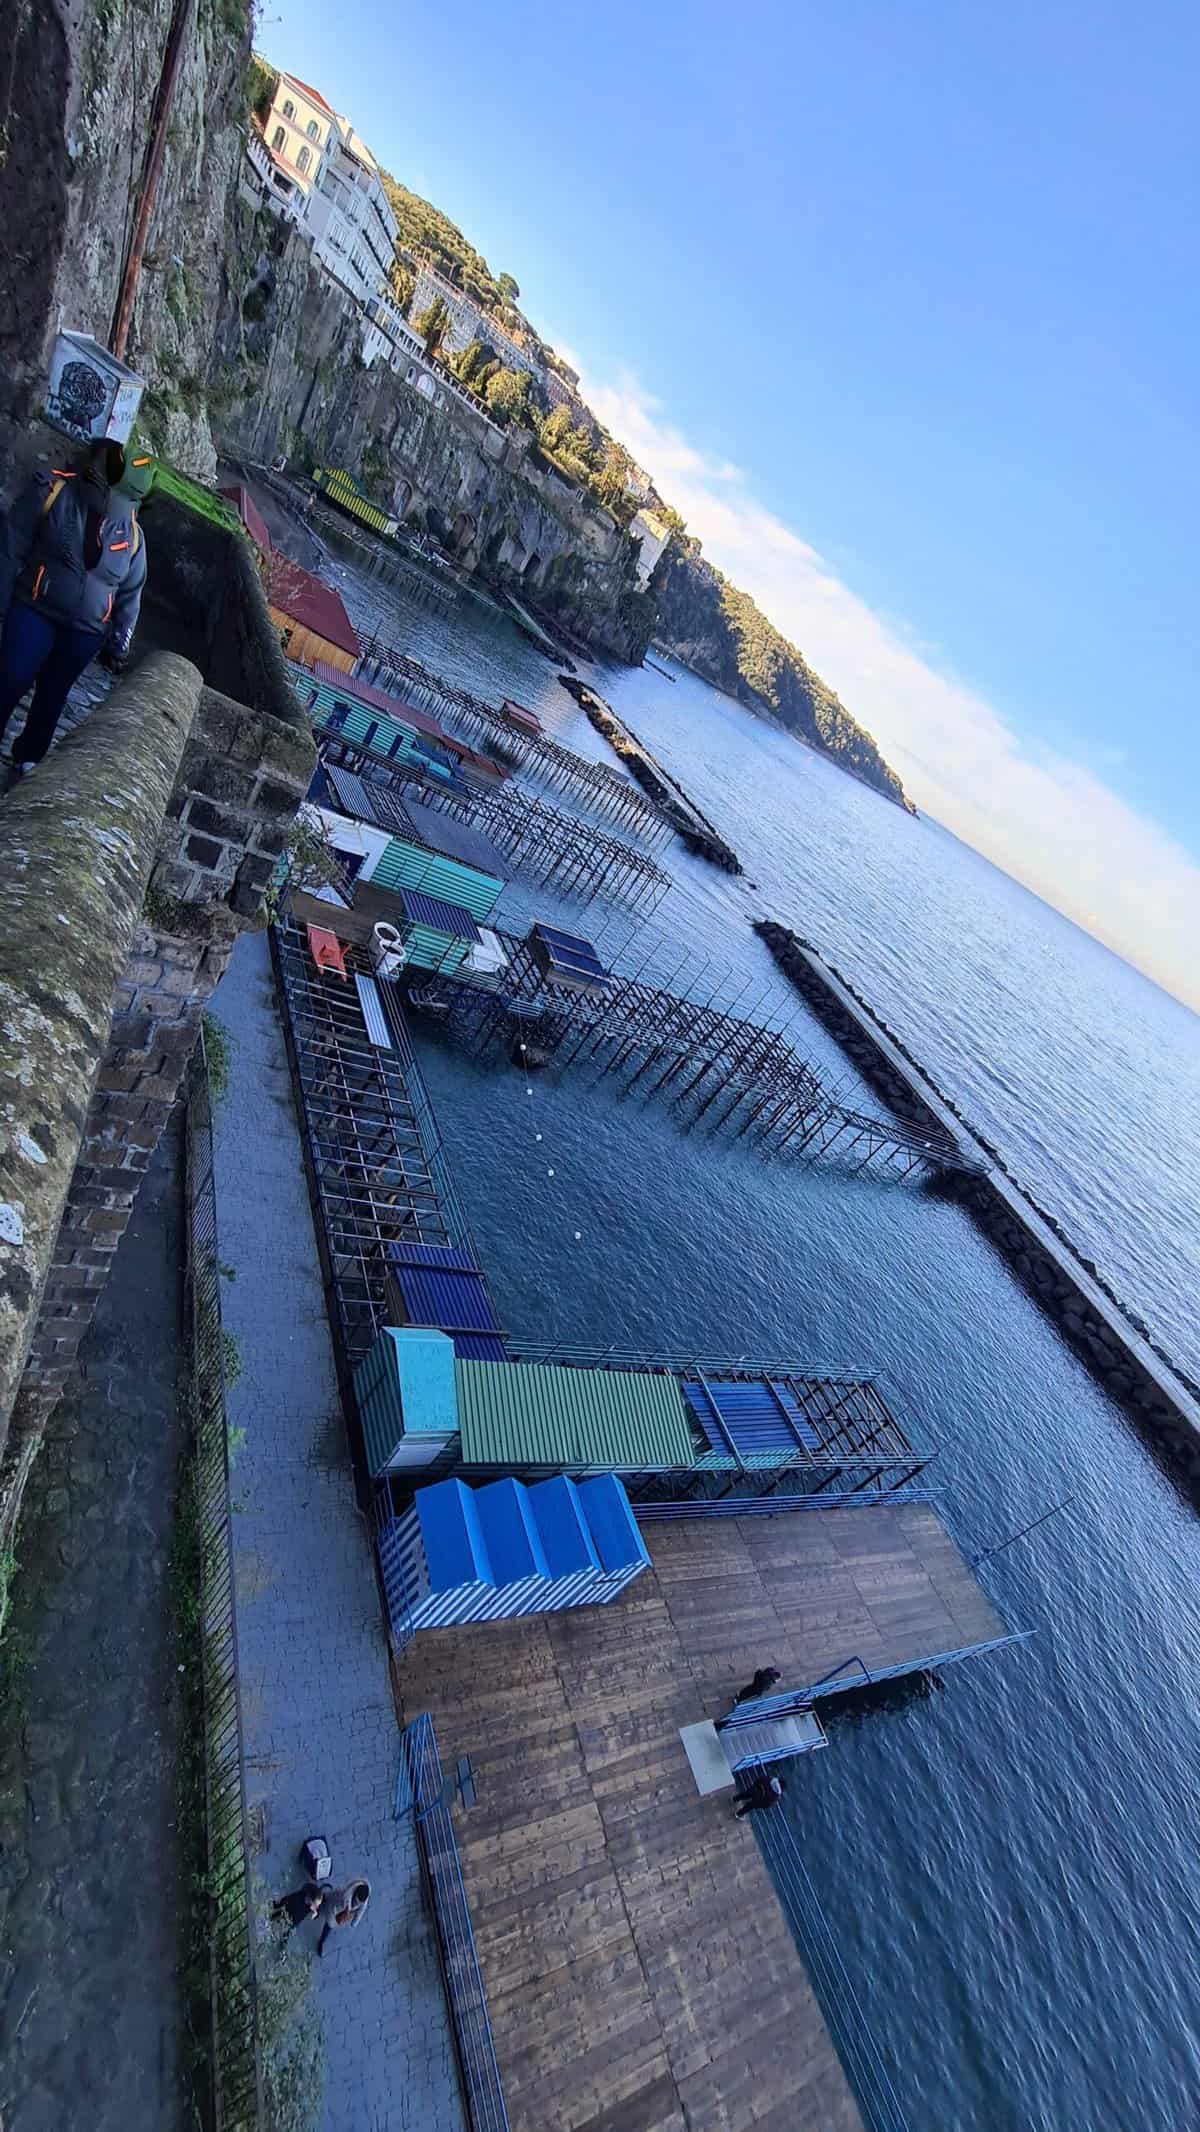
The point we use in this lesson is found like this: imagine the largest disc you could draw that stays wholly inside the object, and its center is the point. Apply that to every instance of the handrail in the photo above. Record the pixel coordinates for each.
(792, 1701)
(420, 1789)
(862, 2059)
(234, 2045)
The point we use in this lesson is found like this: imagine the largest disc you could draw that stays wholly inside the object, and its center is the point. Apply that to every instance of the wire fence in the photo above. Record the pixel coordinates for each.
(421, 1789)
(236, 2071)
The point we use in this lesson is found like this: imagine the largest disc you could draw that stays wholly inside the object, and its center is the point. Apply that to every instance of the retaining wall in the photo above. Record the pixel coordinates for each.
(129, 864)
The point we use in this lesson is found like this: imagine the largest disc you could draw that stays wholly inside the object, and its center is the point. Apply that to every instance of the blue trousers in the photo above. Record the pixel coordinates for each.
(34, 650)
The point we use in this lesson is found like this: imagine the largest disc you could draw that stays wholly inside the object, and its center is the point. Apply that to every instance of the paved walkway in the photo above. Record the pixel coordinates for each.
(91, 2025)
(320, 1730)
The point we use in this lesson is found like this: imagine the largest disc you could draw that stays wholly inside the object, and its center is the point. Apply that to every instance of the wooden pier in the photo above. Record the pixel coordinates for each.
(640, 1973)
(596, 784)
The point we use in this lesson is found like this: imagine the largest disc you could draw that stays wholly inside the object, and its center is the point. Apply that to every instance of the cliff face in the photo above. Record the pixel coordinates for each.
(720, 633)
(81, 90)
(286, 378)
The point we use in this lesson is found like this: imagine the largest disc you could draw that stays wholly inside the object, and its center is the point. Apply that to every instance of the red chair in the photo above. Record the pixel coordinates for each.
(326, 950)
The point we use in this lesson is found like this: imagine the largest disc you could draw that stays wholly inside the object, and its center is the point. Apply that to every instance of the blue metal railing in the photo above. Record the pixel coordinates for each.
(862, 2060)
(769, 1506)
(420, 1789)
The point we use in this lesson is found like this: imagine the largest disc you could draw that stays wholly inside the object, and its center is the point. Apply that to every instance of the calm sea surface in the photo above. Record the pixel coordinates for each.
(1010, 1868)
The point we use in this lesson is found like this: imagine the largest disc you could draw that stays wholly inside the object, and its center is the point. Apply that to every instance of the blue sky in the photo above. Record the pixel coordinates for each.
(901, 306)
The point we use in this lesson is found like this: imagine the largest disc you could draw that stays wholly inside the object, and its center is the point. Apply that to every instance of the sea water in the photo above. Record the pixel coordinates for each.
(1009, 1868)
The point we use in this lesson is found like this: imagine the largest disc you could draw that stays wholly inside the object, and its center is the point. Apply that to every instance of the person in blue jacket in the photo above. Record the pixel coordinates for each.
(72, 571)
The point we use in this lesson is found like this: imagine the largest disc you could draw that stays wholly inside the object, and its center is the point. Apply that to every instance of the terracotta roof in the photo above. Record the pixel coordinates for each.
(304, 599)
(251, 517)
(517, 714)
(314, 95)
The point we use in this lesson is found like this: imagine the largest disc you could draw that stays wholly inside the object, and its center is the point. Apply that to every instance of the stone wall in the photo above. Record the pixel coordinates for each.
(128, 867)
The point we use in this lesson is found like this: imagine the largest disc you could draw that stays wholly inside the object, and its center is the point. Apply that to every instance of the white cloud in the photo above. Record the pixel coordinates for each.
(1044, 818)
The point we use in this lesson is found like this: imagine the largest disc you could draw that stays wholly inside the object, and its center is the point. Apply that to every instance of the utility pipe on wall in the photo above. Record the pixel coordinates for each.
(151, 172)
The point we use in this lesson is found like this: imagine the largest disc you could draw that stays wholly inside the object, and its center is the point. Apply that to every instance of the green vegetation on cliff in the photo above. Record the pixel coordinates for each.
(715, 628)
(720, 633)
(424, 228)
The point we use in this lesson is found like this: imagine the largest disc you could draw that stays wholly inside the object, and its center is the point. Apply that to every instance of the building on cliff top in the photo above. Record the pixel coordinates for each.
(653, 532)
(314, 167)
(294, 137)
(469, 322)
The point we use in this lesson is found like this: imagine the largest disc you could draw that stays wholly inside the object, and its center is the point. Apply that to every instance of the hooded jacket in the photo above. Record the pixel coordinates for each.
(49, 538)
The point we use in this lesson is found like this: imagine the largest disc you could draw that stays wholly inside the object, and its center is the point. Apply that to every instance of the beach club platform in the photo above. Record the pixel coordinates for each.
(637, 1968)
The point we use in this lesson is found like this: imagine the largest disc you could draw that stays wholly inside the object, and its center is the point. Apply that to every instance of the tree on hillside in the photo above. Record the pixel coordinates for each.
(508, 288)
(554, 431)
(403, 284)
(508, 397)
(424, 228)
(476, 363)
(582, 446)
(433, 325)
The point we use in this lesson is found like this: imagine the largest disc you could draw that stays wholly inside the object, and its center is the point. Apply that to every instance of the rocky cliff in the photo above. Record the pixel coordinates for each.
(720, 633)
(286, 378)
(81, 77)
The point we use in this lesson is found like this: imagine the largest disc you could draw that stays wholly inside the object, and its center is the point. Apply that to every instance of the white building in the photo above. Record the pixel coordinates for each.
(468, 321)
(387, 335)
(638, 483)
(308, 163)
(311, 164)
(352, 226)
(653, 533)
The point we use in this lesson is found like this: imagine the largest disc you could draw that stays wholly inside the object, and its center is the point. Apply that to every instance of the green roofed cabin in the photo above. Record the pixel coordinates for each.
(420, 1404)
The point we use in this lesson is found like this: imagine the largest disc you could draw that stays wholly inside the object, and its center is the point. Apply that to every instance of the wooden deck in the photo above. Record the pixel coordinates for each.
(639, 1971)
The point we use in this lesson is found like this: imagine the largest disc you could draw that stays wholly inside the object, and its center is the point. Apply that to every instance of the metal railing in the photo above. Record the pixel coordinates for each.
(236, 2072)
(421, 1790)
(767, 1506)
(862, 2060)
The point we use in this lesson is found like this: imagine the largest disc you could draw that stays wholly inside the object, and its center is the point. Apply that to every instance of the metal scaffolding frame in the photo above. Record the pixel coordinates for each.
(698, 1054)
(376, 1169)
(534, 838)
(603, 789)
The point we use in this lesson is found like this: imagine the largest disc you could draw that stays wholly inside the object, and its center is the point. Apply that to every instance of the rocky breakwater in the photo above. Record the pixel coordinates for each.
(693, 828)
(1115, 1345)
